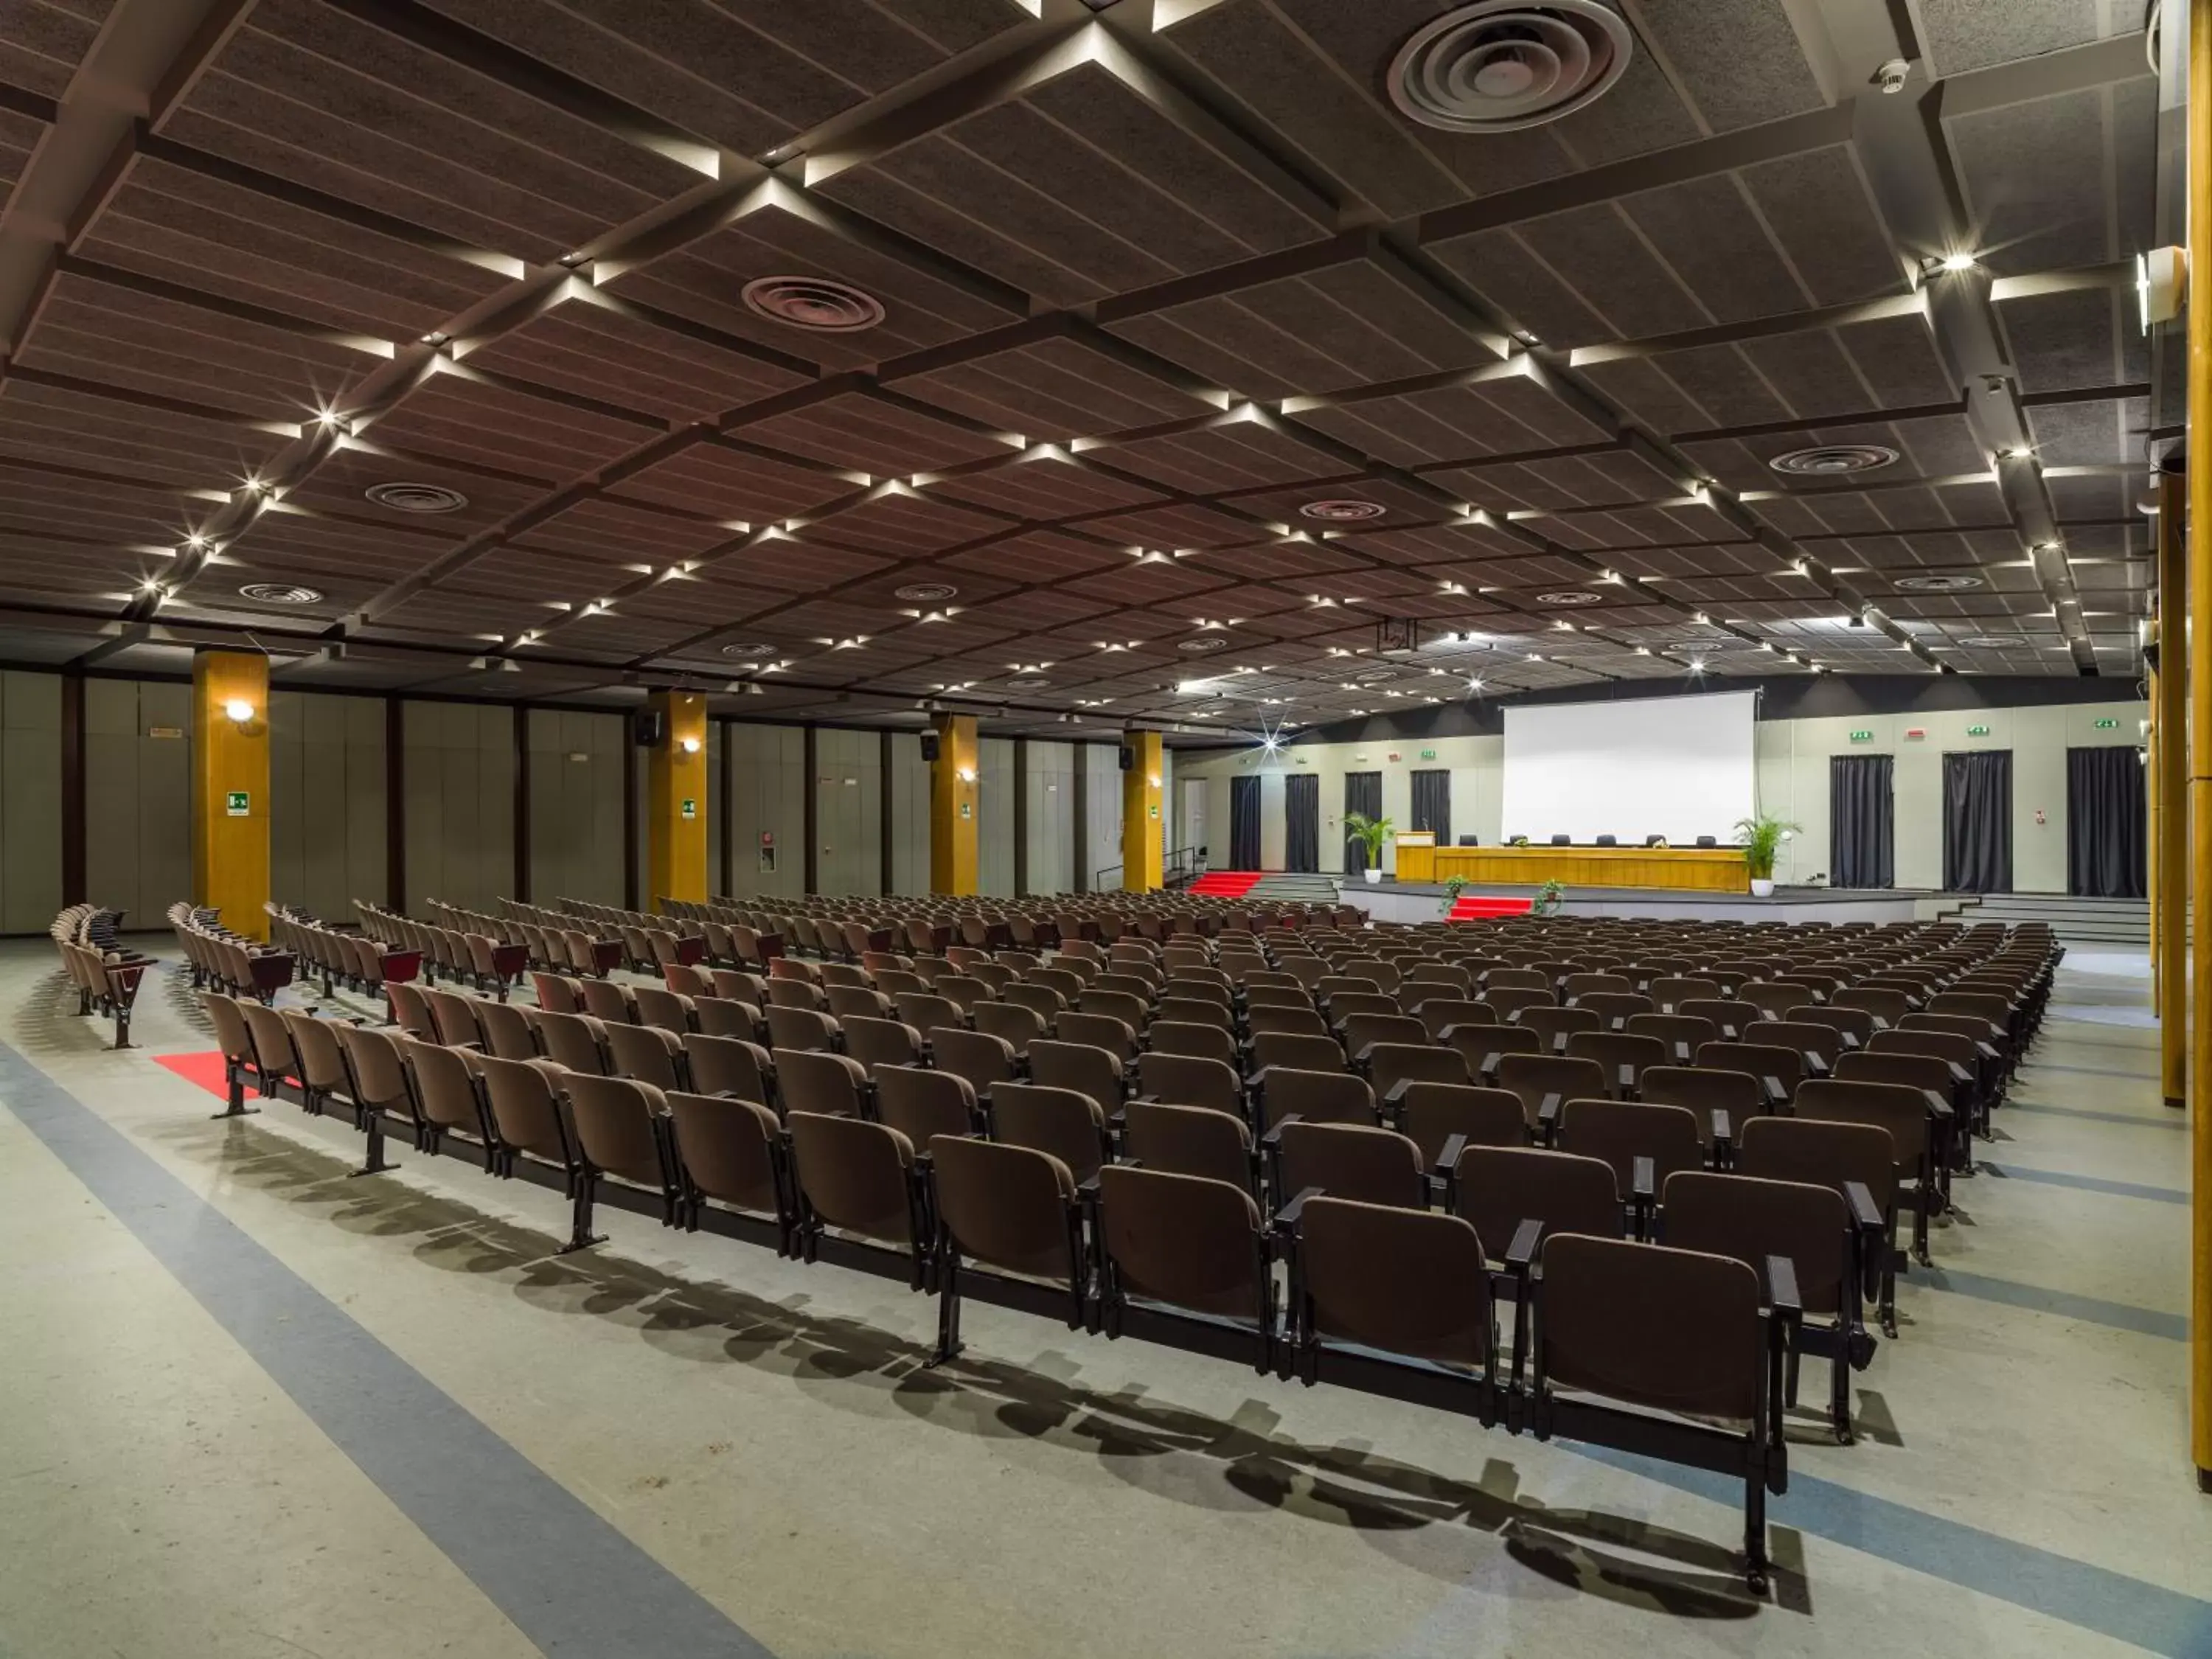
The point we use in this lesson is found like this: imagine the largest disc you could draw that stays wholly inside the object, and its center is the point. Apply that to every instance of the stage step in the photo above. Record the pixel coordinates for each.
(1225, 884)
(1294, 889)
(2124, 922)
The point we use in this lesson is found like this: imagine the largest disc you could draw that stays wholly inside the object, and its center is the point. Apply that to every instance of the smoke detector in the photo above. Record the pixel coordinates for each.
(926, 593)
(1571, 596)
(1827, 460)
(819, 303)
(1205, 642)
(1501, 65)
(1342, 512)
(403, 496)
(1954, 583)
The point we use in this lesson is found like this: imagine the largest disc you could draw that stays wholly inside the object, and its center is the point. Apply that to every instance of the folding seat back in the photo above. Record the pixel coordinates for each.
(1576, 985)
(1011, 1022)
(1194, 1010)
(1286, 1019)
(1554, 1025)
(1705, 1090)
(622, 1131)
(1510, 1002)
(1132, 1011)
(322, 1061)
(410, 1010)
(726, 1150)
(1359, 1161)
(787, 992)
(1185, 1242)
(963, 992)
(1780, 1069)
(1623, 1057)
(1189, 1080)
(446, 1092)
(1621, 1131)
(1169, 1036)
(1192, 1140)
(726, 1017)
(1009, 1206)
(1298, 1051)
(924, 1010)
(1679, 1034)
(1439, 1014)
(1430, 1113)
(1088, 1071)
(729, 1065)
(1382, 972)
(1885, 1008)
(857, 1002)
(606, 1001)
(505, 1029)
(876, 1043)
(1671, 991)
(801, 1030)
(1065, 1123)
(922, 1104)
(1388, 1279)
(1771, 998)
(1550, 1080)
(1363, 1032)
(453, 1015)
(1751, 1218)
(1901, 1110)
(1353, 1005)
(1733, 1017)
(1393, 1067)
(984, 1059)
(1498, 1187)
(1852, 1026)
(272, 1044)
(1062, 982)
(664, 1008)
(686, 981)
(857, 1177)
(828, 1085)
(1107, 1031)
(379, 1071)
(1666, 1330)
(645, 1053)
(739, 986)
(1317, 1096)
(523, 1099)
(1824, 1041)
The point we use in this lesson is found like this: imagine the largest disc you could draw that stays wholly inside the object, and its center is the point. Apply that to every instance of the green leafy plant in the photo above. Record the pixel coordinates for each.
(1549, 897)
(1762, 837)
(1370, 833)
(1452, 887)
(1518, 841)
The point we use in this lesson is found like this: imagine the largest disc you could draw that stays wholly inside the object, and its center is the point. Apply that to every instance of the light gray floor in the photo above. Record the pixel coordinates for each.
(251, 1408)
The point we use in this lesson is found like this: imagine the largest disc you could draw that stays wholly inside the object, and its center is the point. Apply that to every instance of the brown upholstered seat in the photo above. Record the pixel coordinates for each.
(727, 1151)
(1498, 1187)
(857, 1177)
(1431, 1114)
(1191, 1140)
(1008, 1207)
(1088, 1071)
(1186, 1242)
(832, 1085)
(1317, 1096)
(984, 1059)
(729, 1065)
(1393, 1280)
(1349, 1160)
(922, 1104)
(1069, 1124)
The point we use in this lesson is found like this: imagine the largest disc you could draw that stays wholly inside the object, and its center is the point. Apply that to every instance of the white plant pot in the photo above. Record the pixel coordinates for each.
(1374, 876)
(1762, 887)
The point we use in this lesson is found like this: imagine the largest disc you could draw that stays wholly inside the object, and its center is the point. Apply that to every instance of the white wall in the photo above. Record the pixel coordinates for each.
(1792, 757)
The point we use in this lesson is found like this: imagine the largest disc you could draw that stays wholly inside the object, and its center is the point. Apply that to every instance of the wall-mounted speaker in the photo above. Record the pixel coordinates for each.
(929, 746)
(648, 729)
(1128, 758)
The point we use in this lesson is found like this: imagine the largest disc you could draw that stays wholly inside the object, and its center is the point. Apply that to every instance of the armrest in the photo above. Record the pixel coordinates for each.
(1815, 1065)
(1258, 1078)
(1142, 1100)
(1728, 1033)
(1289, 1214)
(1365, 1056)
(1723, 1132)
(1625, 1078)
(1644, 1180)
(1489, 1067)
(1782, 1287)
(1850, 1039)
(1864, 1215)
(1448, 1159)
(1988, 1050)
(1682, 1053)
(1274, 1136)
(1559, 1042)
(1619, 1022)
(1547, 1115)
(1776, 1094)
(1958, 1073)
(1396, 1095)
(1938, 1107)
(1523, 1250)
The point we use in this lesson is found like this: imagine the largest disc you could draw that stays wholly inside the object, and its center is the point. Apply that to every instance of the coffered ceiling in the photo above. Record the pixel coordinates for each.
(1166, 362)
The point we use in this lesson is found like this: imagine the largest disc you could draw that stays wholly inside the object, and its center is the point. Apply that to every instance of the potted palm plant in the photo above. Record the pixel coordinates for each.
(1370, 832)
(1762, 837)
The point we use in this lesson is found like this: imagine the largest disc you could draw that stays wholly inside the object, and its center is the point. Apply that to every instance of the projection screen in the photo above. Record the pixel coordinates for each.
(1677, 767)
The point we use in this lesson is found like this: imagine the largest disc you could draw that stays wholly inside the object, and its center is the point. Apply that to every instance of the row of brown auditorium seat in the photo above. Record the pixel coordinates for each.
(1679, 1233)
(217, 956)
(104, 975)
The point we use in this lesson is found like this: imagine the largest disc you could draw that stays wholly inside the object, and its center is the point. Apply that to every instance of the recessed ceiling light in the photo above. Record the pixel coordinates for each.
(405, 496)
(820, 303)
(1571, 595)
(1828, 460)
(1342, 511)
(279, 593)
(926, 593)
(1955, 262)
(1953, 582)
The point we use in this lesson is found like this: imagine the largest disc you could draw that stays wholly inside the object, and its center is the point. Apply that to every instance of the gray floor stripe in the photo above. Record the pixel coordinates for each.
(2152, 1617)
(2087, 1183)
(572, 1582)
(2091, 1310)
(2035, 1066)
(2172, 1120)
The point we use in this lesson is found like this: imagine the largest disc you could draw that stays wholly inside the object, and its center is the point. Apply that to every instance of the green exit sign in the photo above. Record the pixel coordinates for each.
(237, 803)
(1431, 754)
(1862, 736)
(1977, 731)
(2107, 725)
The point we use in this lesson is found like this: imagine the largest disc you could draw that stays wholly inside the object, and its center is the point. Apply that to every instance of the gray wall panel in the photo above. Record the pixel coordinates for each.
(768, 771)
(995, 784)
(31, 802)
(460, 766)
(576, 840)
(138, 797)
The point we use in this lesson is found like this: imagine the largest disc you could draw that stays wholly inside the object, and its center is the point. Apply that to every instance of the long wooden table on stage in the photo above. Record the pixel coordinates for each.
(1693, 869)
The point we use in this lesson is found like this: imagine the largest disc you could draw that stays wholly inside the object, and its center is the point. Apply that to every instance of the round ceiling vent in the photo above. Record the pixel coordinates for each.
(816, 302)
(926, 593)
(1500, 66)
(279, 593)
(1375, 677)
(749, 650)
(1957, 583)
(1829, 461)
(1028, 682)
(1990, 643)
(1205, 642)
(405, 497)
(1342, 512)
(1571, 595)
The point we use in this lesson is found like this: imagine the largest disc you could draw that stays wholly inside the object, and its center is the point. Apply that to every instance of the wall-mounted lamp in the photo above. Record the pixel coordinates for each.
(239, 709)
(966, 774)
(1154, 779)
(689, 746)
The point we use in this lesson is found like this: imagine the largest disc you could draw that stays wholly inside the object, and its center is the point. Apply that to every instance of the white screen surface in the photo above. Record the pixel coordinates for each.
(1677, 767)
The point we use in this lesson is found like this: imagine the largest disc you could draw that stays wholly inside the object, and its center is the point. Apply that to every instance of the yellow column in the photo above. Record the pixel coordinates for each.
(230, 787)
(1141, 856)
(676, 800)
(2200, 731)
(953, 808)
(2170, 719)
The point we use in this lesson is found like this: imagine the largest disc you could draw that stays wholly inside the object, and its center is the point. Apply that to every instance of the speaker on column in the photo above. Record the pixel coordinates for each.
(1128, 758)
(929, 746)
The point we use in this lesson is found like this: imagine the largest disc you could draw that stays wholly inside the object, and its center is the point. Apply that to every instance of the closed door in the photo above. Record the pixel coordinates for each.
(1363, 794)
(1301, 823)
(1245, 824)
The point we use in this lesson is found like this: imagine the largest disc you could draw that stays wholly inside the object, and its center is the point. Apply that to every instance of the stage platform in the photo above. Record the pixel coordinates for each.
(1393, 901)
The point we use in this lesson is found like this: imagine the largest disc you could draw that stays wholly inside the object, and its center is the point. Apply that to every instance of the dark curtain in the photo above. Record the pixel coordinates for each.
(1977, 822)
(1363, 792)
(1433, 804)
(1301, 823)
(2105, 828)
(1862, 821)
(1243, 824)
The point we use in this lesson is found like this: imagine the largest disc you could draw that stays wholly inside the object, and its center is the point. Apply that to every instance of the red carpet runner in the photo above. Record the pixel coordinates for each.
(1225, 884)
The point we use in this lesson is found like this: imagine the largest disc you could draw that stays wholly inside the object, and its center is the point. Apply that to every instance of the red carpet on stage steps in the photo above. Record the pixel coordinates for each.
(1474, 908)
(1225, 884)
(205, 1069)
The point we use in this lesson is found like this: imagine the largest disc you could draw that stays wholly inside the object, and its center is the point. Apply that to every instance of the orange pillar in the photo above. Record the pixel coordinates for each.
(953, 806)
(1142, 858)
(230, 787)
(676, 800)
